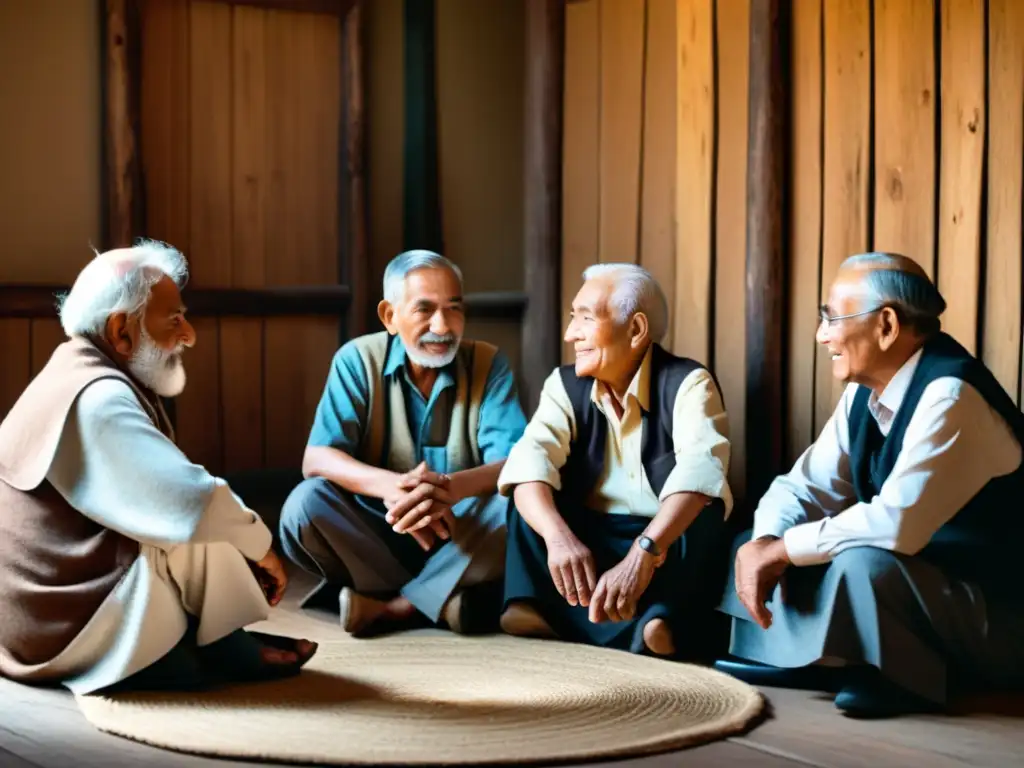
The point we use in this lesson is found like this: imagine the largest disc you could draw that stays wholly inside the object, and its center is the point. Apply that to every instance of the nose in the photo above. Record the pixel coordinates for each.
(822, 334)
(439, 323)
(188, 333)
(572, 332)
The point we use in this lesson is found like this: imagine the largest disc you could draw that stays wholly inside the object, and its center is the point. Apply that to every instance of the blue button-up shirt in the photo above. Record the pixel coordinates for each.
(344, 407)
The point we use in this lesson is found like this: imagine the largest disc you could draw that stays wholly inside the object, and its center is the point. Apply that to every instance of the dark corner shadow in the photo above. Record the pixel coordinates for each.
(1000, 703)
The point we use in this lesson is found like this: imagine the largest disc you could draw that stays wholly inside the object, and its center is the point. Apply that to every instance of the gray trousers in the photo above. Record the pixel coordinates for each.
(346, 542)
(900, 614)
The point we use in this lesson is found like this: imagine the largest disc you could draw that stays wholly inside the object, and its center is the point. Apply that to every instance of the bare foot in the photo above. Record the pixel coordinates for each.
(282, 656)
(522, 620)
(365, 616)
(658, 637)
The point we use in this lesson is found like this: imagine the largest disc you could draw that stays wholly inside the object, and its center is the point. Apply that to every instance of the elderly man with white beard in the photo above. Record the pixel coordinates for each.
(399, 516)
(122, 564)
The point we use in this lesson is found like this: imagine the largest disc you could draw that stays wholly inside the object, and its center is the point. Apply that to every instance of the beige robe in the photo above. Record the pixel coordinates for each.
(113, 465)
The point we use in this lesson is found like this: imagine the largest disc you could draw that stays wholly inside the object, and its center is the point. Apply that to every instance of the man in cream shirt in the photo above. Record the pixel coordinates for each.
(619, 483)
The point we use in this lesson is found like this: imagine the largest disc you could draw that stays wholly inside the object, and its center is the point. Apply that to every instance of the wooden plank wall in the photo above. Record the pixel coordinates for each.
(240, 127)
(655, 141)
(906, 135)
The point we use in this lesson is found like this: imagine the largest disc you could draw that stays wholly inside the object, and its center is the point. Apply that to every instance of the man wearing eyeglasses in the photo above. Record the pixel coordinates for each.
(884, 564)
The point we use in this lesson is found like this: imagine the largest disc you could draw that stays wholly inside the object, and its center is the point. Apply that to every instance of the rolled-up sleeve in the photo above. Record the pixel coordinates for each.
(501, 417)
(341, 413)
(700, 431)
(542, 451)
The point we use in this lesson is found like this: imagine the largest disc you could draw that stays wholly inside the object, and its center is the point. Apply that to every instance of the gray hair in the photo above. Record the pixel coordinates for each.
(410, 261)
(900, 282)
(111, 284)
(635, 290)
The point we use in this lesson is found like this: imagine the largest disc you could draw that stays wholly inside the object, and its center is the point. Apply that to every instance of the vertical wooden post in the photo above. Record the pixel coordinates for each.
(421, 199)
(352, 214)
(124, 199)
(545, 75)
(765, 273)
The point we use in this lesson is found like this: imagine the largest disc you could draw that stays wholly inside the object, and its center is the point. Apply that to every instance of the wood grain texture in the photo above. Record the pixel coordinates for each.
(658, 175)
(353, 215)
(297, 358)
(905, 90)
(385, 103)
(166, 120)
(765, 276)
(249, 117)
(621, 116)
(545, 68)
(581, 135)
(16, 353)
(211, 182)
(47, 335)
(730, 343)
(963, 152)
(241, 392)
(1001, 333)
(847, 140)
(199, 418)
(694, 177)
(804, 222)
(123, 179)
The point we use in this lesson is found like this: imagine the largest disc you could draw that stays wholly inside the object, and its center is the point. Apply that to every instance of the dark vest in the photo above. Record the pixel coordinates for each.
(975, 544)
(585, 464)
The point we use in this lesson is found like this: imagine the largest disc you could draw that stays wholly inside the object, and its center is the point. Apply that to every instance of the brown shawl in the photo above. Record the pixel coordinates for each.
(56, 565)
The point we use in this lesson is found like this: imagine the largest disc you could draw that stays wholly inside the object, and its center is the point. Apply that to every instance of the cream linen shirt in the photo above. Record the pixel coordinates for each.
(954, 444)
(700, 432)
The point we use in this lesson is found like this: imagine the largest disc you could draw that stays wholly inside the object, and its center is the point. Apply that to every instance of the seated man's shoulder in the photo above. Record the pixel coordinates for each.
(106, 397)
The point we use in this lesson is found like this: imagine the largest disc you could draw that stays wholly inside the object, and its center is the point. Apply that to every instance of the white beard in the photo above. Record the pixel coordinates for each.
(159, 369)
(419, 357)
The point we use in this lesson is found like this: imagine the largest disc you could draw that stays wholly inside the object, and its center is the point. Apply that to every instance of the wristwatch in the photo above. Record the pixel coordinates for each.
(646, 543)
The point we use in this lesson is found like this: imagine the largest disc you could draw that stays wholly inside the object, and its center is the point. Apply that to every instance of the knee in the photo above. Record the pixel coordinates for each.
(302, 507)
(867, 563)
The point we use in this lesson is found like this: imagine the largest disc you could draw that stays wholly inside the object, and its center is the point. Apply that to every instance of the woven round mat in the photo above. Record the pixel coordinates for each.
(444, 699)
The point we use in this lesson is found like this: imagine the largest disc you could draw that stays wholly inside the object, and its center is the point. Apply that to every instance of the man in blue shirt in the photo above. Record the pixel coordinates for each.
(399, 514)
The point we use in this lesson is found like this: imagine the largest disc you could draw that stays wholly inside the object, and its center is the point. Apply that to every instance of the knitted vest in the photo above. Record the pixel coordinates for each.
(386, 441)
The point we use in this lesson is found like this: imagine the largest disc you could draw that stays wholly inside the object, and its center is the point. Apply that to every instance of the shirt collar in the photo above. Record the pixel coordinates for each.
(397, 357)
(639, 386)
(892, 396)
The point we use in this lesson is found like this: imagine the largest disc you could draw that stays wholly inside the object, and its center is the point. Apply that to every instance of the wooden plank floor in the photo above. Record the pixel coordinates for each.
(43, 728)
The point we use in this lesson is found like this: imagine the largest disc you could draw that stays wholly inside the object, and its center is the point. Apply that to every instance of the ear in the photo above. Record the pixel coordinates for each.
(122, 334)
(639, 331)
(888, 328)
(386, 313)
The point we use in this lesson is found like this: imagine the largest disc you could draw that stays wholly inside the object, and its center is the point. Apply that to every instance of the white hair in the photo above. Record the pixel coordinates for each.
(108, 286)
(635, 290)
(900, 282)
(410, 261)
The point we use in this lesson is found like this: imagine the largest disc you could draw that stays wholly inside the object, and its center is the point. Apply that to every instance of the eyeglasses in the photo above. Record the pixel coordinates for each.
(827, 319)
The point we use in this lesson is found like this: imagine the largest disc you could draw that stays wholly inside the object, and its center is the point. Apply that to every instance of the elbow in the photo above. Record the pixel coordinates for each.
(311, 463)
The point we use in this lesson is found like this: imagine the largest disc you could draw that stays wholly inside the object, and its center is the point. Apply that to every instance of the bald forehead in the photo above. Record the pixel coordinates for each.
(897, 264)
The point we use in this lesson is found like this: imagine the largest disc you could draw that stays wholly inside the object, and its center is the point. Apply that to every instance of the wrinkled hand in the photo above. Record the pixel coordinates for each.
(620, 588)
(572, 569)
(421, 506)
(271, 576)
(760, 565)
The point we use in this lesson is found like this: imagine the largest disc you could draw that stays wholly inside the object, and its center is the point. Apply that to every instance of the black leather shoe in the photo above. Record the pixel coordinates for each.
(807, 678)
(870, 695)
